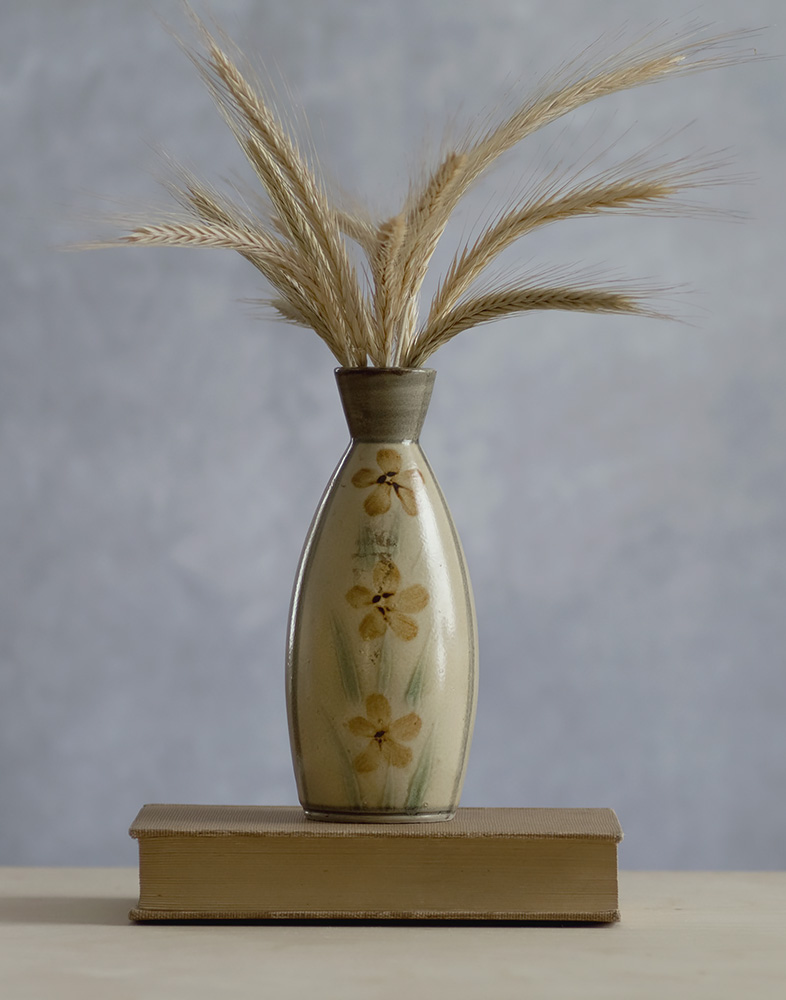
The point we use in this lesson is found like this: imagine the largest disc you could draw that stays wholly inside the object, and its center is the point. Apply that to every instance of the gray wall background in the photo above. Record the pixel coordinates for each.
(618, 483)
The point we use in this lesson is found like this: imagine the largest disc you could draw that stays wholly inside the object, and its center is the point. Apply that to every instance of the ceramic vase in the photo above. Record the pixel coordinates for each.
(382, 643)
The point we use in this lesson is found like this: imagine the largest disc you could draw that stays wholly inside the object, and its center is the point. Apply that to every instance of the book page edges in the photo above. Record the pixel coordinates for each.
(143, 914)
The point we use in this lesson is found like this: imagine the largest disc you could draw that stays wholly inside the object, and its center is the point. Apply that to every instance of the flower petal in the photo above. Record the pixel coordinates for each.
(411, 599)
(359, 597)
(408, 501)
(389, 460)
(405, 627)
(373, 626)
(361, 727)
(386, 577)
(409, 478)
(395, 754)
(406, 728)
(364, 478)
(369, 760)
(378, 500)
(378, 711)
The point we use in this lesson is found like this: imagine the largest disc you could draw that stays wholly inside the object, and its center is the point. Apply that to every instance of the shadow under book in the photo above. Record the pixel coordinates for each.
(202, 862)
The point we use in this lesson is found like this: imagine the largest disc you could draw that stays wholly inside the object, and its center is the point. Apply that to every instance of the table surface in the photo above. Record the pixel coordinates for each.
(64, 934)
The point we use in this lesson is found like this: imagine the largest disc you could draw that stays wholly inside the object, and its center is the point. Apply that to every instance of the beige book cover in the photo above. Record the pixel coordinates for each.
(270, 862)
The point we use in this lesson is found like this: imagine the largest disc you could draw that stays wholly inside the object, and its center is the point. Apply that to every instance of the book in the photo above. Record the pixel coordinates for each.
(202, 862)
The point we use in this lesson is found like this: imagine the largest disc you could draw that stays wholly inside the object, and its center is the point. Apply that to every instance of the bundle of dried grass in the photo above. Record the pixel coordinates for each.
(300, 243)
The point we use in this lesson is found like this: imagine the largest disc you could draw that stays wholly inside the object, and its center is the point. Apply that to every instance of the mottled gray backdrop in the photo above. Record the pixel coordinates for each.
(619, 484)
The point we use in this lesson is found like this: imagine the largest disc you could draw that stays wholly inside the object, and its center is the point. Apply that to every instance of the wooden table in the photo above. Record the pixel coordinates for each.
(64, 934)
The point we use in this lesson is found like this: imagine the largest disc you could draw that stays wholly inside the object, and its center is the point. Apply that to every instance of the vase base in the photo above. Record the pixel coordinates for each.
(329, 816)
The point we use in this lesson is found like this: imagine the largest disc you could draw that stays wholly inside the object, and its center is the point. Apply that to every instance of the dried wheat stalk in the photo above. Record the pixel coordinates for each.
(300, 245)
(384, 264)
(502, 302)
(629, 187)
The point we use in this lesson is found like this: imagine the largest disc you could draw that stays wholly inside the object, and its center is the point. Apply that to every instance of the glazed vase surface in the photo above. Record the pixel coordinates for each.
(382, 644)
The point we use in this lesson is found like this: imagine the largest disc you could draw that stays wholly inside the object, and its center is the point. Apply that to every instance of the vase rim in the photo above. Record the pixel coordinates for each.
(385, 404)
(369, 370)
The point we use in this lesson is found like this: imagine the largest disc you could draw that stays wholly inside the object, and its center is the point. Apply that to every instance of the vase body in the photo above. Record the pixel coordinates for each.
(382, 643)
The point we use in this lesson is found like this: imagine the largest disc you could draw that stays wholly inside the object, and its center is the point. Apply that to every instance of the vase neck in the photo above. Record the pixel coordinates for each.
(385, 404)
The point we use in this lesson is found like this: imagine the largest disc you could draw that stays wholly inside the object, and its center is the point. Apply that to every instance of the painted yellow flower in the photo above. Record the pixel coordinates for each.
(384, 735)
(390, 606)
(387, 479)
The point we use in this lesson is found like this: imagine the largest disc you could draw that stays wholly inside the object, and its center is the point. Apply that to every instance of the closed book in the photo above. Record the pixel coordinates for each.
(202, 862)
